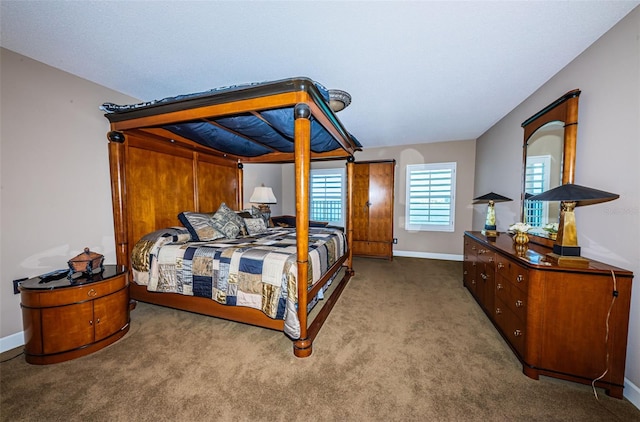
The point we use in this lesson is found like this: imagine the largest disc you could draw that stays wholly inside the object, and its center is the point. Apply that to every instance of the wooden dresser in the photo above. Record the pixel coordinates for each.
(373, 208)
(66, 319)
(568, 323)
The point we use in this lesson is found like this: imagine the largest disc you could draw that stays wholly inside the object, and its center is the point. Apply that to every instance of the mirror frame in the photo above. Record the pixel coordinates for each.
(564, 109)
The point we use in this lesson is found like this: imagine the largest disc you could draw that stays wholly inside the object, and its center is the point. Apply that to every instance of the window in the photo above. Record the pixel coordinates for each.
(327, 195)
(431, 197)
(536, 180)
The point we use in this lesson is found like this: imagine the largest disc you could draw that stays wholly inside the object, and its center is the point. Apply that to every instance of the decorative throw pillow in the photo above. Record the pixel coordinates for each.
(226, 221)
(244, 214)
(200, 226)
(255, 212)
(255, 226)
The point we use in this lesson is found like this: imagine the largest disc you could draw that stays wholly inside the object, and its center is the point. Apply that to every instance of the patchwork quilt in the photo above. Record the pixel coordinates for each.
(258, 271)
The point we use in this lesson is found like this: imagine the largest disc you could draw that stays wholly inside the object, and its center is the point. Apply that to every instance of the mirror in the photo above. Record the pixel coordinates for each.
(548, 161)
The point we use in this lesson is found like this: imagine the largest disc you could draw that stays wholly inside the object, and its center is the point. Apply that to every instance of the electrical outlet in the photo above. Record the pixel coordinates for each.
(16, 283)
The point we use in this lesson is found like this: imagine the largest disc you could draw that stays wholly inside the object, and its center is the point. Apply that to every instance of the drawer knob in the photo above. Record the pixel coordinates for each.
(92, 293)
(500, 265)
(484, 276)
(517, 333)
(519, 304)
(499, 286)
(473, 282)
(465, 272)
(498, 311)
(519, 278)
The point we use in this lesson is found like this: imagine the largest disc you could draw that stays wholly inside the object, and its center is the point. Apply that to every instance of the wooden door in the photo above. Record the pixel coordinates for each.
(373, 209)
(67, 327)
(110, 314)
(360, 202)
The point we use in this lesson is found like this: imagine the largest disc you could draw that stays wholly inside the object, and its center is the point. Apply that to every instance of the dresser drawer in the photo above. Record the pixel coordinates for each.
(511, 271)
(469, 275)
(78, 294)
(470, 249)
(512, 328)
(511, 296)
(486, 255)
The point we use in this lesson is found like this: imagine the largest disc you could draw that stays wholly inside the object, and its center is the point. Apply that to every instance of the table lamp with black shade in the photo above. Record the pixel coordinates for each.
(490, 228)
(566, 252)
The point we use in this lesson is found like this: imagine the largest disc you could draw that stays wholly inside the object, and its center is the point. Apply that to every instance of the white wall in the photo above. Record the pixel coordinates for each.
(608, 158)
(262, 174)
(430, 244)
(438, 245)
(55, 197)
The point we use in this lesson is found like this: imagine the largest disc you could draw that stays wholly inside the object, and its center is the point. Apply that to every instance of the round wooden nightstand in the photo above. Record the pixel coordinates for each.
(65, 319)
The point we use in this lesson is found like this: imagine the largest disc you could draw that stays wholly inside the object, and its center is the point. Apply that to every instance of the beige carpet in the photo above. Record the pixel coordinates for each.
(406, 342)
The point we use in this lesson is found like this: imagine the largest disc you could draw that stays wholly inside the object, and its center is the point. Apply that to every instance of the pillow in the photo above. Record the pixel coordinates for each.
(255, 226)
(200, 226)
(284, 221)
(243, 214)
(290, 221)
(227, 222)
(255, 212)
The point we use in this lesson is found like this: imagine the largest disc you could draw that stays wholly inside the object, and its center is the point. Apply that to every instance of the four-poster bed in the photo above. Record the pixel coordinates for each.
(187, 153)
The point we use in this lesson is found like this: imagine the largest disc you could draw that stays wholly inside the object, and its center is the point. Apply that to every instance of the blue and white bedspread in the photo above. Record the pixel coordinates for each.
(255, 271)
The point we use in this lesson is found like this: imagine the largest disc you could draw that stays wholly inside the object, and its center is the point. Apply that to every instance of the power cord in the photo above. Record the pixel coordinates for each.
(606, 337)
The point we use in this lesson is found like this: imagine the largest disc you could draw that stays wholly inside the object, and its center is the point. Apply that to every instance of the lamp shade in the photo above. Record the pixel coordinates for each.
(575, 193)
(263, 195)
(491, 196)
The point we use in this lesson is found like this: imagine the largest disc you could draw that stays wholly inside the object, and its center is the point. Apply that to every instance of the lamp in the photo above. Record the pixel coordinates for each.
(566, 251)
(490, 224)
(262, 196)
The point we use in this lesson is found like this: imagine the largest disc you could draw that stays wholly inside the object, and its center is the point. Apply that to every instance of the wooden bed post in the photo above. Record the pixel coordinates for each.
(350, 165)
(240, 193)
(302, 134)
(118, 192)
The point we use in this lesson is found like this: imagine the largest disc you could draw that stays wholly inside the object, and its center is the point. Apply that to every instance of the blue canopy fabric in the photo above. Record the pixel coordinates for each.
(247, 135)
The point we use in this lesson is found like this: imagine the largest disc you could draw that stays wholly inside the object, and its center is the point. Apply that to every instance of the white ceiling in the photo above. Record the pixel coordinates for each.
(418, 71)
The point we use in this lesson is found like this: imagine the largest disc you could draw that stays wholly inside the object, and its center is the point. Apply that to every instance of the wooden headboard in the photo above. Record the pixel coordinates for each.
(153, 180)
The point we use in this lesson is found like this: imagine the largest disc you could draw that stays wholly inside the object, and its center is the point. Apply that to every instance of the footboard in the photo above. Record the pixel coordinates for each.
(205, 306)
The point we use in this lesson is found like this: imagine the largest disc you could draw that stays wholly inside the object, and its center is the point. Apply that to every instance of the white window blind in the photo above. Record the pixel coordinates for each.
(430, 200)
(536, 180)
(327, 195)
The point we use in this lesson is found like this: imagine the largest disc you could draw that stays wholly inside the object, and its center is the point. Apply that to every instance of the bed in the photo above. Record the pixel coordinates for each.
(187, 153)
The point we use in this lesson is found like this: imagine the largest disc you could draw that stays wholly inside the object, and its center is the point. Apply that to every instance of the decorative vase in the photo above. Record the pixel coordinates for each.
(521, 238)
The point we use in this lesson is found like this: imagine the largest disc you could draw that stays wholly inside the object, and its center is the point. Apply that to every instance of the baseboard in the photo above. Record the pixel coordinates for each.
(428, 255)
(632, 393)
(12, 341)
